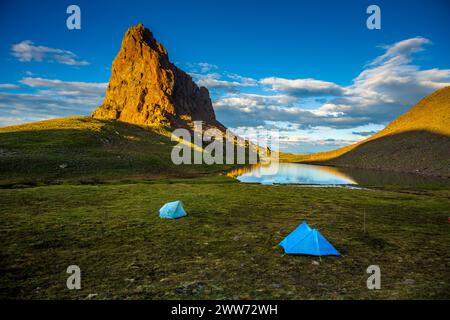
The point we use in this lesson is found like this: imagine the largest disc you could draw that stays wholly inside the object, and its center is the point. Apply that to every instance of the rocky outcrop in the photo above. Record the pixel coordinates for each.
(146, 88)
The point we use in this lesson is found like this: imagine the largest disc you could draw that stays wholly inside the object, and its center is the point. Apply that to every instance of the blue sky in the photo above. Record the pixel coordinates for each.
(311, 69)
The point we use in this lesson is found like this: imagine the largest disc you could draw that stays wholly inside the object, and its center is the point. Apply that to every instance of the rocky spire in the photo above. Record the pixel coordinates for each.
(146, 88)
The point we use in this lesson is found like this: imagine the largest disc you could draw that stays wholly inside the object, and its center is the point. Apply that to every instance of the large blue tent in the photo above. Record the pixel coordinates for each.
(299, 233)
(172, 210)
(307, 241)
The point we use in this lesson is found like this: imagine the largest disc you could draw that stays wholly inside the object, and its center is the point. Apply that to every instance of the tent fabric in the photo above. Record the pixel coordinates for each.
(295, 236)
(307, 241)
(172, 210)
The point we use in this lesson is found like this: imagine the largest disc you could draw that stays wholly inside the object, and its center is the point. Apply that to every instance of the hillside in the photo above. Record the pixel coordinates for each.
(87, 150)
(418, 142)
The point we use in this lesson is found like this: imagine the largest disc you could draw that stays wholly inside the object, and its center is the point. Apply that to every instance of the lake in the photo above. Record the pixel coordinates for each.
(306, 174)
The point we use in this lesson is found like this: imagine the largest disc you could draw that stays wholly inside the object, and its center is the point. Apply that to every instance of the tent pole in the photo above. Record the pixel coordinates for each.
(364, 220)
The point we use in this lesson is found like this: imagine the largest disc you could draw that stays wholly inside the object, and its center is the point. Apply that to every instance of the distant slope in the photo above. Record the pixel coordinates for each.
(87, 150)
(418, 141)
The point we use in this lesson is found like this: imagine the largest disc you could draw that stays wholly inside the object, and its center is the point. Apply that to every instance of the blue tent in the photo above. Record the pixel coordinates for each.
(172, 210)
(292, 239)
(307, 241)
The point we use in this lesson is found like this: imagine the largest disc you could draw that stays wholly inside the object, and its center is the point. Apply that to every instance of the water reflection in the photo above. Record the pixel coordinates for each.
(296, 173)
(292, 173)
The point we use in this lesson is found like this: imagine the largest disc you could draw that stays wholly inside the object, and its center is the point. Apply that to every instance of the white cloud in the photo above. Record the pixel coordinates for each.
(391, 83)
(364, 133)
(303, 87)
(207, 75)
(206, 67)
(253, 110)
(9, 86)
(26, 51)
(53, 98)
(214, 81)
(292, 138)
(13, 120)
(401, 50)
(244, 81)
(83, 88)
(201, 67)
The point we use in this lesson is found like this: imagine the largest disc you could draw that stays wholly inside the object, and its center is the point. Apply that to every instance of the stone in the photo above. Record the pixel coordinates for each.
(145, 88)
(92, 295)
(409, 281)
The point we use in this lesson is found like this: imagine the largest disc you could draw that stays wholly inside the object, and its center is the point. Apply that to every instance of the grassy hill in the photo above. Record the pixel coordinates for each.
(87, 150)
(418, 141)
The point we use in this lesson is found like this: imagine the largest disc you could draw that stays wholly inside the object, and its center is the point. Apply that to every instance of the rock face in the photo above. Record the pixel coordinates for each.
(146, 88)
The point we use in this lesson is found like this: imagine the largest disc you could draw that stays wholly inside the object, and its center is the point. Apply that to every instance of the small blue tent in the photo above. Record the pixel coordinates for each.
(172, 210)
(307, 241)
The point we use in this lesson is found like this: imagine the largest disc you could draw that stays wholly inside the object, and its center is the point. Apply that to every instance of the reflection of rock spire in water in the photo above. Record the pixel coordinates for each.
(239, 172)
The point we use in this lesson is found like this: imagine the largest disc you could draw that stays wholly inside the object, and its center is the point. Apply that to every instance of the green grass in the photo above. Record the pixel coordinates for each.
(88, 151)
(224, 248)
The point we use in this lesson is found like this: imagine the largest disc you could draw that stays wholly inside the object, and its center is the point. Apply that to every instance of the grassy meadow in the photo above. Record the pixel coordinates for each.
(86, 192)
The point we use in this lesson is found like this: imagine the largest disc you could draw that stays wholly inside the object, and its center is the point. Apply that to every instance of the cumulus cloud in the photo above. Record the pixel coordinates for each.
(299, 140)
(244, 81)
(209, 76)
(254, 110)
(303, 87)
(215, 81)
(201, 67)
(401, 50)
(206, 67)
(293, 139)
(364, 133)
(26, 51)
(9, 86)
(58, 86)
(391, 83)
